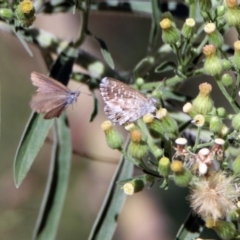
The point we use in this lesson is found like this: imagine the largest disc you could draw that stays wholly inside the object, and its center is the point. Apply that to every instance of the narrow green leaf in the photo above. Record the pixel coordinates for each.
(59, 172)
(106, 222)
(155, 28)
(32, 140)
(37, 128)
(104, 50)
(107, 56)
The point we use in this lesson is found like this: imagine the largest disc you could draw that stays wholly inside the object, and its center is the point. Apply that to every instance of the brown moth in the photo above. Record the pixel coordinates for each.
(52, 96)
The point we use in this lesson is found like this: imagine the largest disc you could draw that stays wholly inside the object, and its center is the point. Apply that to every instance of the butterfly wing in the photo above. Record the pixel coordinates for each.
(50, 104)
(46, 84)
(123, 103)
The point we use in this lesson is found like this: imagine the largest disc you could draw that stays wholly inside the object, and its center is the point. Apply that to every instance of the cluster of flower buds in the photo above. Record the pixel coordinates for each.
(25, 13)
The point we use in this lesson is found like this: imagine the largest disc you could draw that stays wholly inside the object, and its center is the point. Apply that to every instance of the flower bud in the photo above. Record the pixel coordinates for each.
(236, 165)
(188, 28)
(140, 81)
(177, 166)
(130, 127)
(220, 11)
(221, 112)
(182, 176)
(164, 166)
(215, 124)
(227, 80)
(227, 64)
(189, 109)
(6, 13)
(133, 186)
(213, 64)
(236, 122)
(137, 150)
(225, 230)
(113, 138)
(203, 103)
(170, 34)
(214, 37)
(136, 136)
(25, 13)
(232, 13)
(168, 123)
(148, 118)
(199, 120)
(236, 57)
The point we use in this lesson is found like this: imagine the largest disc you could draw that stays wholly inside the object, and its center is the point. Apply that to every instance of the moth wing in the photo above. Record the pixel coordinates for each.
(55, 112)
(43, 103)
(46, 84)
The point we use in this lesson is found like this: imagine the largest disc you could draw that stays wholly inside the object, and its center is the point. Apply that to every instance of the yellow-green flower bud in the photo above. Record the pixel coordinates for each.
(236, 122)
(113, 138)
(170, 34)
(177, 166)
(199, 120)
(164, 166)
(225, 230)
(224, 131)
(133, 186)
(140, 81)
(220, 11)
(221, 112)
(182, 176)
(188, 28)
(227, 80)
(203, 103)
(236, 165)
(236, 57)
(232, 13)
(155, 127)
(214, 37)
(137, 150)
(6, 13)
(136, 136)
(227, 64)
(215, 124)
(188, 108)
(213, 64)
(25, 12)
(168, 123)
(205, 5)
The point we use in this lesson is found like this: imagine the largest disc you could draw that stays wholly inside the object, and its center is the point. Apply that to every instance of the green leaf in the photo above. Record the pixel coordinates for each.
(59, 172)
(106, 222)
(104, 50)
(155, 29)
(32, 140)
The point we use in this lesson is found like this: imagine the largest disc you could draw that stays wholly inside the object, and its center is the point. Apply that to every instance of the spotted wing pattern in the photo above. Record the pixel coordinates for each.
(122, 103)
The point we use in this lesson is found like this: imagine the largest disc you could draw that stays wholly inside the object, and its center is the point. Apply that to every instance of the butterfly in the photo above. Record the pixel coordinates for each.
(52, 96)
(124, 104)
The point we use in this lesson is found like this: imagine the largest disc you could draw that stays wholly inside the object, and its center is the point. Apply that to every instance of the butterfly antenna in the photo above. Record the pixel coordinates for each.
(81, 84)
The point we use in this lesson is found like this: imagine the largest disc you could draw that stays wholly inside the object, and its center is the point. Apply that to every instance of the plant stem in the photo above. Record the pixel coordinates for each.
(226, 94)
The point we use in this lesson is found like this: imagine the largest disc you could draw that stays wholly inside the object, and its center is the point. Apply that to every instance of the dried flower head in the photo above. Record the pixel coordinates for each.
(214, 197)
